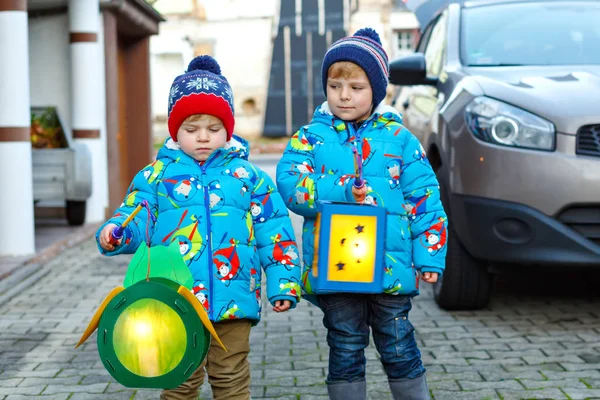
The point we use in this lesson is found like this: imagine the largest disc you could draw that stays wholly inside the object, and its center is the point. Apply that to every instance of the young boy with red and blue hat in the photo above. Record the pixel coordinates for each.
(227, 217)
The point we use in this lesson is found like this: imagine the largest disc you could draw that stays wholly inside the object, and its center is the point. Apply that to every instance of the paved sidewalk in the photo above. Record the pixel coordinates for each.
(524, 347)
(530, 344)
(52, 236)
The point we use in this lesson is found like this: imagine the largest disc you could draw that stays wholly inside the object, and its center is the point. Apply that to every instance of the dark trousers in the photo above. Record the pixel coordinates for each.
(348, 316)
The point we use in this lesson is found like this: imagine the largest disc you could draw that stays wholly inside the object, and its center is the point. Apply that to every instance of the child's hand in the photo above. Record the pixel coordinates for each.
(359, 194)
(105, 236)
(430, 277)
(282, 305)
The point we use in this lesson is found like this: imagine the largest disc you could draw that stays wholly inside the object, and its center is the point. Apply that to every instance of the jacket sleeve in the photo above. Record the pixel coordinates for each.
(138, 229)
(276, 242)
(301, 185)
(427, 219)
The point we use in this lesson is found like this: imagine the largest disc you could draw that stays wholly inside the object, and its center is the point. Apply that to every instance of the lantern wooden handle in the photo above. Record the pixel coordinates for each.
(117, 233)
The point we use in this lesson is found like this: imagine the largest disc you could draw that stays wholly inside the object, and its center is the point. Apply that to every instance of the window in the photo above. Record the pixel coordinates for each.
(404, 42)
(436, 46)
(531, 33)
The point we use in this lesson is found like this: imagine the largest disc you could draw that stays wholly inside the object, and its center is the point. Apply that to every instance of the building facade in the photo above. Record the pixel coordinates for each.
(238, 33)
(243, 35)
(89, 59)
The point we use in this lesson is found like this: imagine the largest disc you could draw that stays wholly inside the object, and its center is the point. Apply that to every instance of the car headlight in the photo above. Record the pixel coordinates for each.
(496, 122)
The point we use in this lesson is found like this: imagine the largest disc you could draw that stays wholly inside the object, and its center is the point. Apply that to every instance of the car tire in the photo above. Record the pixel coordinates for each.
(466, 283)
(75, 211)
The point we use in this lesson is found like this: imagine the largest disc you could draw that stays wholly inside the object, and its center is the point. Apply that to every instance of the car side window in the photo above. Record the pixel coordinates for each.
(436, 46)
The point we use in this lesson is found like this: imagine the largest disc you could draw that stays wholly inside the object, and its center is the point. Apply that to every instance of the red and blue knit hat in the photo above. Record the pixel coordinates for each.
(201, 90)
(363, 49)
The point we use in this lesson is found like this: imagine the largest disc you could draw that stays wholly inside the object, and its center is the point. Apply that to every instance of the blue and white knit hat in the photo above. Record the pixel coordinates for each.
(201, 90)
(363, 49)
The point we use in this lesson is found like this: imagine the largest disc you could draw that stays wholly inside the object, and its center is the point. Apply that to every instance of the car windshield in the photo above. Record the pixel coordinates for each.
(532, 33)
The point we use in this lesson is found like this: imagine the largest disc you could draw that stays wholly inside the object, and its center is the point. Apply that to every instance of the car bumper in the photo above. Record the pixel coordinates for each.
(545, 181)
(507, 232)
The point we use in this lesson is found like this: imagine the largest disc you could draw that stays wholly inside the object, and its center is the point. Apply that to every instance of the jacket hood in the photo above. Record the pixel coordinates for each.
(323, 114)
(236, 147)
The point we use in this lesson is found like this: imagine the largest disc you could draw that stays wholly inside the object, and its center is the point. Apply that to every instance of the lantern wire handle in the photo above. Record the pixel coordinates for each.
(152, 218)
(359, 181)
(148, 242)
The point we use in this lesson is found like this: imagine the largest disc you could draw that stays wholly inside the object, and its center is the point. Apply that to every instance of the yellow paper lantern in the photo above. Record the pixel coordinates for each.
(349, 243)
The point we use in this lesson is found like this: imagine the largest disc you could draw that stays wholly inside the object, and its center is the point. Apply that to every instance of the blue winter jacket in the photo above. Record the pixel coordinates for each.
(318, 164)
(228, 219)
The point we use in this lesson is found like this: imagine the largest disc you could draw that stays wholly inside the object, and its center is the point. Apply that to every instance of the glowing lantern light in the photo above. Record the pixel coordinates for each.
(349, 243)
(146, 329)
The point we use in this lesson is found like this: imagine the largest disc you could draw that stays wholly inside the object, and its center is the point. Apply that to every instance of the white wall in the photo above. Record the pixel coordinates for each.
(166, 66)
(371, 19)
(219, 9)
(169, 57)
(241, 35)
(238, 9)
(50, 85)
(49, 67)
(243, 50)
(173, 6)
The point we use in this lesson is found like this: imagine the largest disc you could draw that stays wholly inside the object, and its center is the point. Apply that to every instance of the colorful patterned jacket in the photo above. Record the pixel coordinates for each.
(228, 219)
(318, 164)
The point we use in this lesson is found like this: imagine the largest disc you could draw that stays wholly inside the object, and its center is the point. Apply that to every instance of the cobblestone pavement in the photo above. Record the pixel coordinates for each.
(533, 346)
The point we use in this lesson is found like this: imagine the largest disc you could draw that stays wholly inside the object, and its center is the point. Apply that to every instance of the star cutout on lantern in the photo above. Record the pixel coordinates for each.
(340, 266)
(342, 241)
(358, 261)
(356, 244)
(359, 228)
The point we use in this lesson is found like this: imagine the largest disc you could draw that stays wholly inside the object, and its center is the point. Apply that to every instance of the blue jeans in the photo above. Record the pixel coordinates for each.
(347, 319)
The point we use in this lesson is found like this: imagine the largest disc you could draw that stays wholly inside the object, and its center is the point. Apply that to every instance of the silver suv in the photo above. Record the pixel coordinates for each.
(505, 97)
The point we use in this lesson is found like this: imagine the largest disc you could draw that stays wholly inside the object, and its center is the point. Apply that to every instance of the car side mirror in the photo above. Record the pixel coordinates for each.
(410, 70)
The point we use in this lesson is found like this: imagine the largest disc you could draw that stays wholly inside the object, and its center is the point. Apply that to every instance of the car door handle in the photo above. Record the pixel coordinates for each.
(405, 104)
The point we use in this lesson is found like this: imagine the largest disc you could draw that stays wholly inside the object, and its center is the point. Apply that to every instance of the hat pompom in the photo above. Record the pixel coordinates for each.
(205, 63)
(368, 33)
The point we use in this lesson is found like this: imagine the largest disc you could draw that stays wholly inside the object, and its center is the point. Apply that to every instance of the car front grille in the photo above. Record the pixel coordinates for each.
(585, 220)
(588, 140)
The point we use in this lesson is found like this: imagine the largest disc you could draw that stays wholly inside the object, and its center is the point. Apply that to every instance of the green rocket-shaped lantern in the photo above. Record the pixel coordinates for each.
(152, 331)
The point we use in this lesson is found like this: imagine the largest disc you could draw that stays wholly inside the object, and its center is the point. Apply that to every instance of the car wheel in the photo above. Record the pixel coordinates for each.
(466, 283)
(75, 212)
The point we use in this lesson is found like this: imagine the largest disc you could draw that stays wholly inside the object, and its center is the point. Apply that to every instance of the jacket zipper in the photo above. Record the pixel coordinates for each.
(209, 238)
